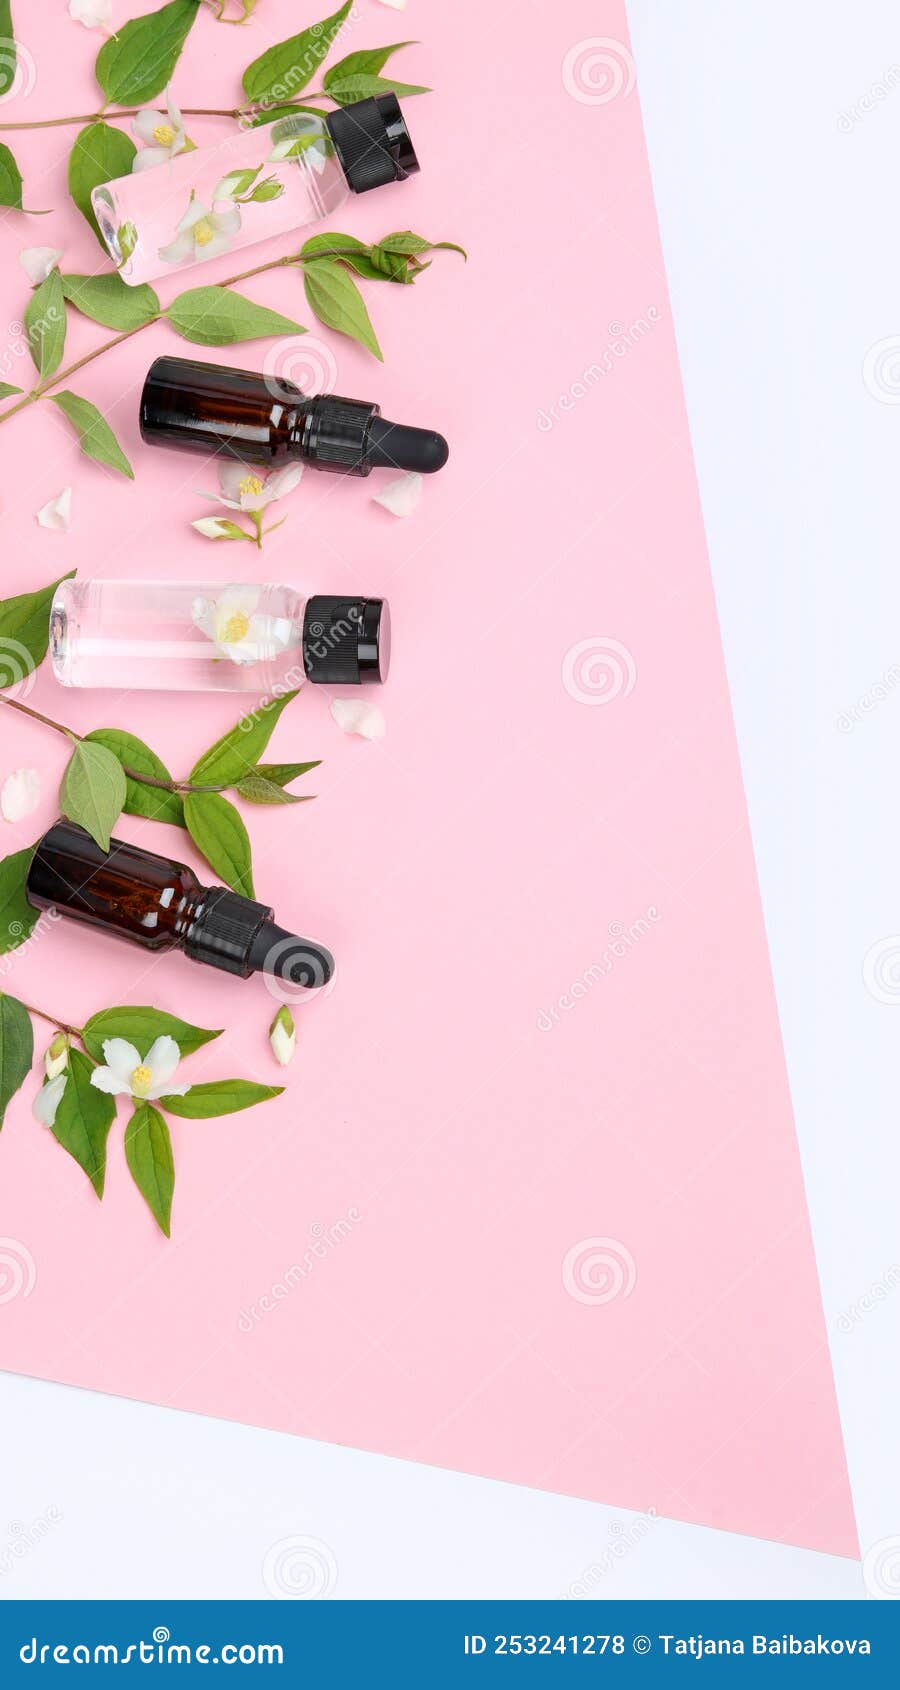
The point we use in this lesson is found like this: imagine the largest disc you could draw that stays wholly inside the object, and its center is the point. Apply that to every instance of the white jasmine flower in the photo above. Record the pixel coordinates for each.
(400, 497)
(20, 794)
(245, 489)
(238, 633)
(355, 716)
(283, 1036)
(56, 1056)
(57, 513)
(125, 1075)
(201, 234)
(48, 1100)
(217, 528)
(38, 261)
(94, 14)
(164, 135)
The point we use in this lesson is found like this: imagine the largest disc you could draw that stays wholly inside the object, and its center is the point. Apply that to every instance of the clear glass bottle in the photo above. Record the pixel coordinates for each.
(183, 636)
(253, 184)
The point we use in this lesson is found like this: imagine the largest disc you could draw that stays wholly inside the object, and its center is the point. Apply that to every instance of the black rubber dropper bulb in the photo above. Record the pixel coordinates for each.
(265, 419)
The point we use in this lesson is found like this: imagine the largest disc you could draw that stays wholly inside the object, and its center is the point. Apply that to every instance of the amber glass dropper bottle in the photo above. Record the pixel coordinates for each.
(159, 904)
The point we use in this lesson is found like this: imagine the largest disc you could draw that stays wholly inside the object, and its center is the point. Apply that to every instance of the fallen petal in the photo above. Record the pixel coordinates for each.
(355, 716)
(57, 513)
(38, 261)
(48, 1100)
(20, 794)
(94, 14)
(400, 497)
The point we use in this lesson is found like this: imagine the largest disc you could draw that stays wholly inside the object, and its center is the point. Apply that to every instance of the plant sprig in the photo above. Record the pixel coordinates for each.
(83, 1114)
(205, 316)
(111, 772)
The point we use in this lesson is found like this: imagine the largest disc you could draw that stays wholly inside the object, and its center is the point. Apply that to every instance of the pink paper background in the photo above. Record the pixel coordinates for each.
(468, 871)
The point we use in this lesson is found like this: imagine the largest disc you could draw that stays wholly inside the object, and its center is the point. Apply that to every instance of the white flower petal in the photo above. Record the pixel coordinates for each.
(215, 247)
(283, 481)
(105, 1080)
(195, 213)
(356, 716)
(202, 614)
(174, 111)
(56, 1056)
(226, 222)
(94, 14)
(48, 1099)
(20, 794)
(162, 1090)
(400, 497)
(231, 473)
(38, 261)
(57, 513)
(179, 251)
(162, 1059)
(121, 1058)
(146, 124)
(395, 5)
(147, 158)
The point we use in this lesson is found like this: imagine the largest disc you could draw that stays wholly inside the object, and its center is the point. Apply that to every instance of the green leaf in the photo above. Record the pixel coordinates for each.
(354, 253)
(346, 90)
(137, 62)
(18, 918)
(110, 301)
(8, 56)
(100, 154)
(95, 437)
(93, 791)
(83, 1119)
(217, 316)
(218, 1097)
(7, 389)
(25, 632)
(366, 63)
(257, 790)
(285, 69)
(16, 1049)
(404, 241)
(283, 773)
(151, 801)
(337, 301)
(148, 1152)
(221, 837)
(10, 179)
(236, 754)
(142, 1025)
(45, 325)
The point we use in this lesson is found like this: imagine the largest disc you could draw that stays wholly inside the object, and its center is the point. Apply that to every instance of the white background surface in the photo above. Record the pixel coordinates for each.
(777, 195)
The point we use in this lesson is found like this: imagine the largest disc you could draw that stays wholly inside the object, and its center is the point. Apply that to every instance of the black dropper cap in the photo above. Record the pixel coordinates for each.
(352, 437)
(372, 142)
(240, 936)
(346, 641)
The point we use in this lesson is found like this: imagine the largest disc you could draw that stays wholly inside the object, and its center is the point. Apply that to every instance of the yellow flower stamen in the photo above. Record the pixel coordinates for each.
(251, 484)
(141, 1080)
(164, 134)
(236, 628)
(203, 231)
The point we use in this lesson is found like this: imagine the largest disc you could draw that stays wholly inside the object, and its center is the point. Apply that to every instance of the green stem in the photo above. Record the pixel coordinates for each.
(104, 116)
(133, 774)
(61, 1026)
